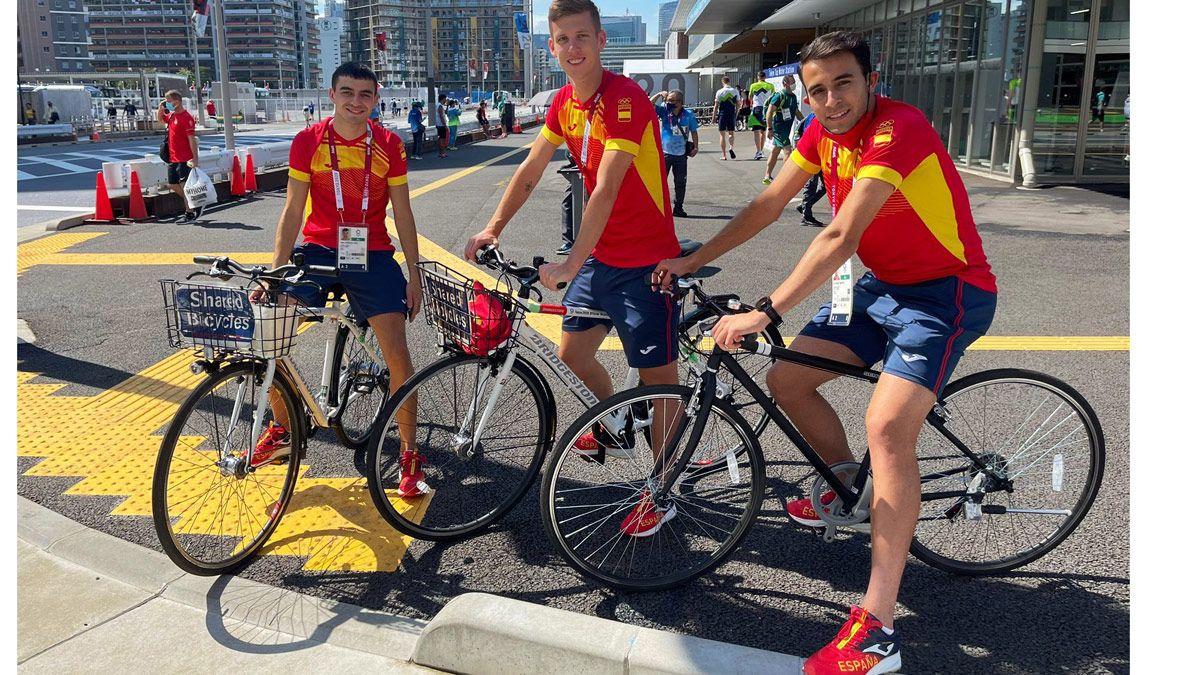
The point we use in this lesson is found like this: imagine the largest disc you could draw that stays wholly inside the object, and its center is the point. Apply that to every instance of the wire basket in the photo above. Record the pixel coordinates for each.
(223, 318)
(469, 317)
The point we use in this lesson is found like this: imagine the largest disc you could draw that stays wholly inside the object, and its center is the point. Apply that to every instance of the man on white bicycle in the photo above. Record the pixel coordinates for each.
(611, 129)
(343, 172)
(900, 204)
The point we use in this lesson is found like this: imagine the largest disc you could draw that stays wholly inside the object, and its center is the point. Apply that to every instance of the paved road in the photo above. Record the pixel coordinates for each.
(1061, 257)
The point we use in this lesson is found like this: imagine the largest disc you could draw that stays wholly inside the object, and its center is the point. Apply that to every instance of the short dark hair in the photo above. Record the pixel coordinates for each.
(725, 79)
(762, 74)
(829, 44)
(355, 71)
(561, 8)
(441, 97)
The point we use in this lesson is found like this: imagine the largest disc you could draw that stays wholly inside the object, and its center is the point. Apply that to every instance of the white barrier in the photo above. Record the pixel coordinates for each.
(217, 163)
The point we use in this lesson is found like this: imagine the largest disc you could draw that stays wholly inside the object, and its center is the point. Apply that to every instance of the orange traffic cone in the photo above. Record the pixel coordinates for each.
(251, 182)
(104, 211)
(237, 186)
(517, 127)
(137, 205)
(95, 136)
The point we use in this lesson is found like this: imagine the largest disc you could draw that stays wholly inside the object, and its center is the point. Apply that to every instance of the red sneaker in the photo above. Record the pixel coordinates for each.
(645, 519)
(861, 646)
(412, 477)
(274, 446)
(802, 511)
(587, 446)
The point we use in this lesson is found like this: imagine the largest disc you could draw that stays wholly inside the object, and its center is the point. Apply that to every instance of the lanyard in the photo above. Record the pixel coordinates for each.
(587, 126)
(337, 175)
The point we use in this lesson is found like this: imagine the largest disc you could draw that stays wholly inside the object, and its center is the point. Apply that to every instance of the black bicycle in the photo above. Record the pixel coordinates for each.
(1010, 462)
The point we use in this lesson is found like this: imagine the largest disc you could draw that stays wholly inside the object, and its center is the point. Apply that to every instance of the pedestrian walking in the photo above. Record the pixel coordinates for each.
(417, 127)
(453, 112)
(782, 110)
(725, 115)
(759, 92)
(211, 108)
(308, 116)
(51, 113)
(30, 114)
(482, 118)
(743, 109)
(441, 123)
(680, 140)
(181, 140)
(130, 109)
(814, 189)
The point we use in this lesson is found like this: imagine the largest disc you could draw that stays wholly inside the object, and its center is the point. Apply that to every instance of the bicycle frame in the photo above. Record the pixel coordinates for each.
(702, 405)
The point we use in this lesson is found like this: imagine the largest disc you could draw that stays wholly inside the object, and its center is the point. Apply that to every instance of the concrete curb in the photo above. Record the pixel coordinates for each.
(229, 598)
(66, 223)
(481, 633)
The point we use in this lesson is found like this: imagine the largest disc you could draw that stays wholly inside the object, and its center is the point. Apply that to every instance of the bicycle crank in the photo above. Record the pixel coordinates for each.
(834, 514)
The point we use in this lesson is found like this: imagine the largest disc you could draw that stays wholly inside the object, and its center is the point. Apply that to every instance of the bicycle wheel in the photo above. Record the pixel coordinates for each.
(1031, 429)
(584, 503)
(695, 333)
(469, 484)
(362, 386)
(212, 513)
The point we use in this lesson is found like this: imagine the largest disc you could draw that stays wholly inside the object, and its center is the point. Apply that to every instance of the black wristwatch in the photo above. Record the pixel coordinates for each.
(766, 307)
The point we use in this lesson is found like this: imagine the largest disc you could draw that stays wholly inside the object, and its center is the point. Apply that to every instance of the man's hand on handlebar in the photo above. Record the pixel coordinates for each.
(730, 329)
(556, 276)
(484, 238)
(668, 270)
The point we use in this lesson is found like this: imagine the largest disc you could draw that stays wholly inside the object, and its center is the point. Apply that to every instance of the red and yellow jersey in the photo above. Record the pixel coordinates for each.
(640, 230)
(925, 229)
(309, 162)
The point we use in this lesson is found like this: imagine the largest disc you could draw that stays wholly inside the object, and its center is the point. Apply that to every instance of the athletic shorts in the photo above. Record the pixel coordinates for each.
(382, 289)
(443, 132)
(178, 172)
(757, 119)
(919, 331)
(726, 122)
(781, 139)
(646, 321)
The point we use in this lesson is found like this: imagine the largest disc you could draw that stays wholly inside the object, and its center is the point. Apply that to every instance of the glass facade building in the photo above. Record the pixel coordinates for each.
(1035, 90)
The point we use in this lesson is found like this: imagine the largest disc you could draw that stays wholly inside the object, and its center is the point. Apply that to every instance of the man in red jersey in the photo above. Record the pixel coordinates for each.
(901, 206)
(185, 149)
(611, 130)
(343, 172)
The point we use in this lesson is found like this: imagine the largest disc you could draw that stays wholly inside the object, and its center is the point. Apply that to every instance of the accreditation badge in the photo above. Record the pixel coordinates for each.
(352, 247)
(843, 295)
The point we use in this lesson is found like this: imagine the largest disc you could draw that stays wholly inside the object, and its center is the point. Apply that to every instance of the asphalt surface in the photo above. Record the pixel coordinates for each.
(1062, 260)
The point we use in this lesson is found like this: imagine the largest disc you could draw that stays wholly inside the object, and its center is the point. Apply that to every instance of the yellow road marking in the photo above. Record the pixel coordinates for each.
(331, 522)
(36, 251)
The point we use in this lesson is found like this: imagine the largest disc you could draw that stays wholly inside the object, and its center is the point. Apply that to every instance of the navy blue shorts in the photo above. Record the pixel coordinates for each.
(919, 331)
(726, 122)
(382, 289)
(646, 321)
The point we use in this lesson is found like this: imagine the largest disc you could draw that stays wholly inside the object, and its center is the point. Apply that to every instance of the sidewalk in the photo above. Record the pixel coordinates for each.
(89, 602)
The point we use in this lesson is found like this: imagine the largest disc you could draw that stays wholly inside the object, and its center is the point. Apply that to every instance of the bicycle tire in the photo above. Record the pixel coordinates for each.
(944, 468)
(567, 469)
(362, 388)
(177, 517)
(756, 366)
(467, 494)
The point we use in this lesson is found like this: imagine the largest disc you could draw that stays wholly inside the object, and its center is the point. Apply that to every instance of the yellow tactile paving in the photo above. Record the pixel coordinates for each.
(111, 441)
(36, 251)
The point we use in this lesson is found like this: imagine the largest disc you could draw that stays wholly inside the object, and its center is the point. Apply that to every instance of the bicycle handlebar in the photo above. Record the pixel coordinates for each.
(224, 266)
(527, 275)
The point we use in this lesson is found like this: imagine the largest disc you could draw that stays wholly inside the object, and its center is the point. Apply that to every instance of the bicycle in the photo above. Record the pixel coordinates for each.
(988, 435)
(213, 508)
(485, 416)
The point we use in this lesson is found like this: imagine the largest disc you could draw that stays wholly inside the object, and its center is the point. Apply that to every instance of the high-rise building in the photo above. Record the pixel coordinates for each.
(330, 30)
(271, 42)
(52, 35)
(624, 30)
(665, 11)
(390, 36)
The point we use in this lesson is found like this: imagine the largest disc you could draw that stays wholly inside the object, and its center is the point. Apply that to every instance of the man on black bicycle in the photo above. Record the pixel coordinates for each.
(343, 173)
(611, 129)
(901, 206)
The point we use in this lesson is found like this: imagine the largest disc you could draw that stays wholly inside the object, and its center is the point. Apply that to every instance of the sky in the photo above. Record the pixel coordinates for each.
(647, 9)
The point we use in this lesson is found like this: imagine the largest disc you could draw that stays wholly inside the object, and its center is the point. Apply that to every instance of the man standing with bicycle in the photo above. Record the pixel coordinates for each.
(611, 129)
(901, 206)
(343, 172)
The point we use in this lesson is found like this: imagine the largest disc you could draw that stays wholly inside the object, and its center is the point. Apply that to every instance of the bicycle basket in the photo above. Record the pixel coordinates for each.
(470, 317)
(223, 318)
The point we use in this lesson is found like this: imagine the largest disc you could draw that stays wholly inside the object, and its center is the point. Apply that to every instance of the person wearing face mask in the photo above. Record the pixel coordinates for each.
(680, 140)
(181, 139)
